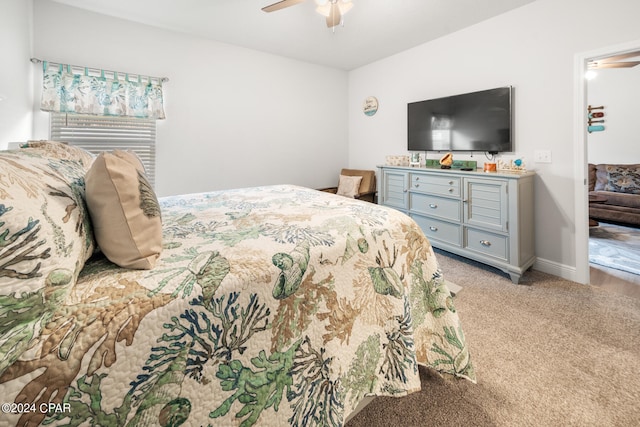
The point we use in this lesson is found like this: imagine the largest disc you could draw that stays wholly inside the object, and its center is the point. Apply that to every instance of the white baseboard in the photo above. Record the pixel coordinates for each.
(551, 267)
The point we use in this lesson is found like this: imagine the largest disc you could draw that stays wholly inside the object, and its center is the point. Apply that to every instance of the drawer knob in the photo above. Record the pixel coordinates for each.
(451, 190)
(417, 178)
(433, 205)
(450, 182)
(417, 185)
(432, 228)
(485, 243)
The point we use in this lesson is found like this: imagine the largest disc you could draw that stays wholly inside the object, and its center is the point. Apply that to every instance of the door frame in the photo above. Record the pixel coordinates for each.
(581, 183)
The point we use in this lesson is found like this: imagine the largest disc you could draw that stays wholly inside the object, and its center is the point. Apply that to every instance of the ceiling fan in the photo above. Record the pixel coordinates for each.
(615, 61)
(332, 10)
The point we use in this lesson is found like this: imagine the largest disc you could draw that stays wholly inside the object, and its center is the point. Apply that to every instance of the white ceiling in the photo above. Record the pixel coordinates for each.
(372, 30)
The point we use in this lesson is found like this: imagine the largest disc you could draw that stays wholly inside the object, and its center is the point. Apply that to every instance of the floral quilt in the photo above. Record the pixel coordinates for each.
(269, 306)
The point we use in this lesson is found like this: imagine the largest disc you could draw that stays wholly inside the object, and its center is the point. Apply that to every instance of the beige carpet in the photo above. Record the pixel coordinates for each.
(548, 352)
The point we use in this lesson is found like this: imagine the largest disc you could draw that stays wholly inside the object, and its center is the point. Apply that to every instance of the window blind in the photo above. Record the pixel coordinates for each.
(99, 133)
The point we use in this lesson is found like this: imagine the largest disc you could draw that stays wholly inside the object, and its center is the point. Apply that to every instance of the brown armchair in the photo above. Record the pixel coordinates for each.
(367, 187)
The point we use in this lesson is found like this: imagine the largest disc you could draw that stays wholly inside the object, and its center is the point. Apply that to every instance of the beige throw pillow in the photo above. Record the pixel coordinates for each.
(349, 186)
(124, 210)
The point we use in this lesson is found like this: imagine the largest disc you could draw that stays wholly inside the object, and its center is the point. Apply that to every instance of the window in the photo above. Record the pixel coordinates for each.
(105, 133)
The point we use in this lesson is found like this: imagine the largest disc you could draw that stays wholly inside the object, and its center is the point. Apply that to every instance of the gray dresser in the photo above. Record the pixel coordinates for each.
(487, 217)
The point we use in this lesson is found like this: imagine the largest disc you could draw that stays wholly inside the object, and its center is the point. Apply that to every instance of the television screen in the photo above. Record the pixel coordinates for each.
(477, 121)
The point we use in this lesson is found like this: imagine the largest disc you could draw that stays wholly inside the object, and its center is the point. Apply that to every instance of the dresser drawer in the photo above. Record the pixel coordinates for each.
(443, 231)
(441, 185)
(435, 206)
(484, 242)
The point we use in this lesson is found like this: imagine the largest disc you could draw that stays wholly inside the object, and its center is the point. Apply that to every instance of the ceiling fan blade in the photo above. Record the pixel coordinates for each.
(627, 64)
(281, 5)
(621, 56)
(334, 16)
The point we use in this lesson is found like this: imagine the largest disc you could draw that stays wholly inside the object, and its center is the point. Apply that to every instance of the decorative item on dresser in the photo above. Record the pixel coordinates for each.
(446, 161)
(488, 218)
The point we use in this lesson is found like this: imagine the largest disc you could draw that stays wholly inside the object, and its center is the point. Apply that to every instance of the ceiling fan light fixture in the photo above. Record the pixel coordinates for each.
(325, 6)
(332, 10)
(324, 9)
(345, 6)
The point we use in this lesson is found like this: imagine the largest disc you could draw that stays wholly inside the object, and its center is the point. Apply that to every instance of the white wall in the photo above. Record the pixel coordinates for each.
(274, 120)
(235, 117)
(15, 71)
(618, 90)
(532, 48)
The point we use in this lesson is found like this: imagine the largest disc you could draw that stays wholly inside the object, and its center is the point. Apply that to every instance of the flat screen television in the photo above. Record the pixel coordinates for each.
(477, 121)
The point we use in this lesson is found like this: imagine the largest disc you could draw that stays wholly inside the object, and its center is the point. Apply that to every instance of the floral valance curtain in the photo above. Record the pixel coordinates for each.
(67, 91)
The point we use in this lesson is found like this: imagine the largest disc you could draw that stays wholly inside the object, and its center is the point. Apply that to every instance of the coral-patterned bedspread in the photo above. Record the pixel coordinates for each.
(269, 306)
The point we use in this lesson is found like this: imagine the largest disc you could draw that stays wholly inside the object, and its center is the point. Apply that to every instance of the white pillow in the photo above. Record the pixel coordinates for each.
(349, 186)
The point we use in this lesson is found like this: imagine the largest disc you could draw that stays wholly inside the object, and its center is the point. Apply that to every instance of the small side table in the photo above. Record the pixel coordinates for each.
(594, 199)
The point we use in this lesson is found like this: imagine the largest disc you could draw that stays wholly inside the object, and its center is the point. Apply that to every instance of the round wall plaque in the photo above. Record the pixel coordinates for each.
(370, 106)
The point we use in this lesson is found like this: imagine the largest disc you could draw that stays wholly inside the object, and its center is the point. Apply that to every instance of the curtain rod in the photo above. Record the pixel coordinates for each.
(98, 70)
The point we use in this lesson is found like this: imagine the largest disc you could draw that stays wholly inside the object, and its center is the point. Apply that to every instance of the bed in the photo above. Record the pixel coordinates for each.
(275, 305)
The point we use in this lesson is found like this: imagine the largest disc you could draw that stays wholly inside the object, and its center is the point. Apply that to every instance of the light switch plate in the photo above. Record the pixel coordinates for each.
(542, 156)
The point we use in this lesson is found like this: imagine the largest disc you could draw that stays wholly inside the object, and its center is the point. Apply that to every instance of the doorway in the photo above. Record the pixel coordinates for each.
(584, 272)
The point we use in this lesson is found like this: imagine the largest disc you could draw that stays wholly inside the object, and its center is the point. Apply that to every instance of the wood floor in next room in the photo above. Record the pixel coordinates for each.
(620, 243)
(614, 280)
